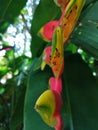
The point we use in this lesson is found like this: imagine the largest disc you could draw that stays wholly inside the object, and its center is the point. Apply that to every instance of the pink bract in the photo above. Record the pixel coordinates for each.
(49, 29)
(47, 54)
(59, 125)
(56, 84)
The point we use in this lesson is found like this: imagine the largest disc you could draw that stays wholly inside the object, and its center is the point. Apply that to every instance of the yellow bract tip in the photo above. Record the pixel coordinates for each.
(43, 65)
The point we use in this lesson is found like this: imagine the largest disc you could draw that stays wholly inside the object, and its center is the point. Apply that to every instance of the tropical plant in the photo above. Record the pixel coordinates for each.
(64, 95)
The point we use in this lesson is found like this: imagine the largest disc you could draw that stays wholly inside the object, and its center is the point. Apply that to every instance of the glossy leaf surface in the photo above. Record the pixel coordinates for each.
(87, 30)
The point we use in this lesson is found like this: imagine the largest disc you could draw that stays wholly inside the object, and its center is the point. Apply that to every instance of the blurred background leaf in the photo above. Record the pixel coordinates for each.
(86, 33)
(9, 10)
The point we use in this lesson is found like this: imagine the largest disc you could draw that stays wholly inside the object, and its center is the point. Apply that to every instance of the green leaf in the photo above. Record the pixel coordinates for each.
(2, 112)
(3, 66)
(3, 26)
(37, 46)
(9, 10)
(85, 34)
(37, 63)
(89, 2)
(71, 47)
(17, 116)
(80, 96)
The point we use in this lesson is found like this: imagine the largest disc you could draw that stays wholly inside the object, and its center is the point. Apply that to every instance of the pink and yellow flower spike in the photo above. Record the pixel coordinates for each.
(70, 13)
(49, 103)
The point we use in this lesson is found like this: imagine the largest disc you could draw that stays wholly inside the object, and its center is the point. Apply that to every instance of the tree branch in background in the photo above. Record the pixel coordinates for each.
(25, 22)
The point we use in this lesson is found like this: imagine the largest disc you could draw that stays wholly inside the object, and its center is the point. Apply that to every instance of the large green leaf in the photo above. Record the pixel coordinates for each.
(17, 115)
(89, 2)
(37, 46)
(86, 33)
(80, 97)
(45, 11)
(9, 10)
(3, 26)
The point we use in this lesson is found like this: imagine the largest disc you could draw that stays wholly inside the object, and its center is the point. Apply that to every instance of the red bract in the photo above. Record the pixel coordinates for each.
(46, 58)
(46, 32)
(47, 55)
(57, 115)
(59, 125)
(58, 102)
(55, 84)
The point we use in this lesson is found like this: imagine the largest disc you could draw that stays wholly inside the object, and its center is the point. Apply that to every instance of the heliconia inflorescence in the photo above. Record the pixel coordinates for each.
(70, 13)
(49, 103)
